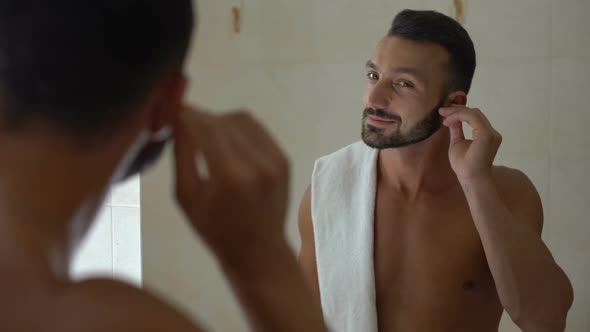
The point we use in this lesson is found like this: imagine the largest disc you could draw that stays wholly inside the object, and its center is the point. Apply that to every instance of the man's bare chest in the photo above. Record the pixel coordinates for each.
(428, 249)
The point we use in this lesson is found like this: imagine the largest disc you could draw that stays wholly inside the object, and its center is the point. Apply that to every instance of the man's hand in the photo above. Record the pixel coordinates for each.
(239, 210)
(471, 159)
(242, 203)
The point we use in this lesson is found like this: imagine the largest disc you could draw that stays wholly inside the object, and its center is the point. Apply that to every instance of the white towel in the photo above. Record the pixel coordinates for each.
(342, 204)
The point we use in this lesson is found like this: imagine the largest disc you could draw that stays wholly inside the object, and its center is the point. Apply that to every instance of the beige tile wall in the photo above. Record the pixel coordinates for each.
(299, 66)
(112, 246)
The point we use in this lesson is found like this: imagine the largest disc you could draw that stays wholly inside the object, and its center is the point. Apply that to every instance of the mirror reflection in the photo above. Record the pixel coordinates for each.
(346, 166)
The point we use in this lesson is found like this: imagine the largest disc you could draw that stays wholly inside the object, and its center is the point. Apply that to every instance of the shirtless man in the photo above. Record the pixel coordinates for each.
(84, 85)
(456, 239)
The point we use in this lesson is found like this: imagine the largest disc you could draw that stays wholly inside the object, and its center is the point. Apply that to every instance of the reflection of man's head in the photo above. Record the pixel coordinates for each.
(426, 61)
(96, 72)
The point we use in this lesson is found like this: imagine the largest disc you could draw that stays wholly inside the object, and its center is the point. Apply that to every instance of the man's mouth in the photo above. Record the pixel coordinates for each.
(379, 121)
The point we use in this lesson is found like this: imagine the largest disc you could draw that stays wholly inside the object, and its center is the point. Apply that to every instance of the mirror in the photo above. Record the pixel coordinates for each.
(300, 66)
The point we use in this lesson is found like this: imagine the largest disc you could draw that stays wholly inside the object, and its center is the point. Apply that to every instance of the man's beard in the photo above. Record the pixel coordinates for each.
(376, 138)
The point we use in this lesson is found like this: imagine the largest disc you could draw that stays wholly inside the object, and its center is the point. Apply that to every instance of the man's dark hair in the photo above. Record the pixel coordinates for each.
(82, 65)
(431, 26)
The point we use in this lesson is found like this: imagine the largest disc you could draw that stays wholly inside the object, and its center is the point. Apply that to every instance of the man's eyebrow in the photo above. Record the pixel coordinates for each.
(400, 70)
(407, 70)
(371, 64)
(417, 73)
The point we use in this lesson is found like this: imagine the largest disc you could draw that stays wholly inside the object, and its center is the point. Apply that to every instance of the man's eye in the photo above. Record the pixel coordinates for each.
(372, 75)
(404, 84)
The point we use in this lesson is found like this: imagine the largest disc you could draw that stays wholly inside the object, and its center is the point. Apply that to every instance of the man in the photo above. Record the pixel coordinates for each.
(414, 229)
(88, 90)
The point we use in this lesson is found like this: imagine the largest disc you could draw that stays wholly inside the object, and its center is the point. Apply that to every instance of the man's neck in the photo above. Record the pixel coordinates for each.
(48, 197)
(419, 168)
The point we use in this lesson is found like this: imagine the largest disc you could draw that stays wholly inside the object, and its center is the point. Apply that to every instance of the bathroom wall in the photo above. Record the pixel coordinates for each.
(112, 247)
(299, 66)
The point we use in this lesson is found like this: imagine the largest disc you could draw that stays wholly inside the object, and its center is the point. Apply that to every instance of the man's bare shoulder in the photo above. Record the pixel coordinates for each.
(506, 176)
(512, 182)
(520, 195)
(107, 305)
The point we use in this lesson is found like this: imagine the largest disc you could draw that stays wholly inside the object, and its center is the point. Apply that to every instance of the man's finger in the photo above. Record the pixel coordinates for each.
(259, 156)
(472, 117)
(448, 110)
(187, 177)
(456, 130)
(262, 138)
(209, 136)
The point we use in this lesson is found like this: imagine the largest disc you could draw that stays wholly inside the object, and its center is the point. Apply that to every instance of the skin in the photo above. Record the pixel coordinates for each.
(457, 239)
(48, 202)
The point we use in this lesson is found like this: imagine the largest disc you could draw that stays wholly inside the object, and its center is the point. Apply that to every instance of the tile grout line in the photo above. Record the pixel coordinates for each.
(112, 243)
(126, 205)
(140, 249)
(551, 102)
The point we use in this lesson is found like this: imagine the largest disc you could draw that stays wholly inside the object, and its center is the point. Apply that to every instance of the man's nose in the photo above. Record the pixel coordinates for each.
(379, 97)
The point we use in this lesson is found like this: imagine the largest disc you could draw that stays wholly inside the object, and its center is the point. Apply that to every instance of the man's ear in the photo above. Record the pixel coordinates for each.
(168, 102)
(457, 97)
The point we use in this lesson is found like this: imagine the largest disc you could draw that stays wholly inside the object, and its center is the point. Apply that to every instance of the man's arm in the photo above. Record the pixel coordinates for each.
(535, 292)
(272, 290)
(508, 215)
(307, 257)
(239, 210)
(106, 305)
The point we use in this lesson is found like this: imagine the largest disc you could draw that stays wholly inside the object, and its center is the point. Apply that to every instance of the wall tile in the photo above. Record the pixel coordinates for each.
(569, 107)
(126, 193)
(312, 101)
(348, 31)
(514, 93)
(278, 32)
(507, 28)
(214, 42)
(570, 28)
(506, 324)
(569, 80)
(126, 243)
(95, 255)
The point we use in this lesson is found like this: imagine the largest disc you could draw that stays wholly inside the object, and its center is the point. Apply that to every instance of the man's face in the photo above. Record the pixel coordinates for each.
(405, 88)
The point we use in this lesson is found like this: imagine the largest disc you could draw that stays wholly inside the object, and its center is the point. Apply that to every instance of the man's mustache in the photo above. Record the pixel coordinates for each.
(382, 114)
